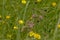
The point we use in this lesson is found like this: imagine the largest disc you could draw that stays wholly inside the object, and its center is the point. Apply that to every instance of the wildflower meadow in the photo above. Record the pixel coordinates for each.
(29, 19)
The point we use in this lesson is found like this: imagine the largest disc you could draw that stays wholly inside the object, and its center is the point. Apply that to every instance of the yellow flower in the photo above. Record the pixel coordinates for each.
(39, 0)
(31, 33)
(15, 27)
(20, 22)
(23, 1)
(7, 17)
(0, 16)
(59, 26)
(54, 4)
(37, 36)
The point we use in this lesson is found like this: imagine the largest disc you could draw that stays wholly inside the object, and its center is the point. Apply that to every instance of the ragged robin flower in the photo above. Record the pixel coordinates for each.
(37, 36)
(33, 16)
(30, 24)
(21, 22)
(31, 33)
(23, 1)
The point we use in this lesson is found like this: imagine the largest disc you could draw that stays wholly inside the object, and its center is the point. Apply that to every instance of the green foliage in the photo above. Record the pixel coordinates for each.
(45, 26)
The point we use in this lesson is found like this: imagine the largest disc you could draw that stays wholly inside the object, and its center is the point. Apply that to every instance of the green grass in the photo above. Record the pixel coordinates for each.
(46, 27)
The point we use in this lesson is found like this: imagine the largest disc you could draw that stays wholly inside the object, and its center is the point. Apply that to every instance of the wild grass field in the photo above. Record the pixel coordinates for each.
(29, 19)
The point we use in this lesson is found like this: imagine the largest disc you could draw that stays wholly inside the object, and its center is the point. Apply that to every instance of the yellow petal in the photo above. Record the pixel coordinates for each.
(23, 2)
(54, 4)
(59, 26)
(0, 16)
(37, 36)
(7, 17)
(20, 22)
(31, 33)
(15, 27)
(39, 0)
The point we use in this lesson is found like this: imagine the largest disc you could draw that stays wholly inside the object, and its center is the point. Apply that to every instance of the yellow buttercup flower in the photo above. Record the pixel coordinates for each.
(31, 33)
(20, 21)
(7, 17)
(37, 36)
(39, 0)
(15, 27)
(59, 26)
(54, 4)
(0, 16)
(23, 1)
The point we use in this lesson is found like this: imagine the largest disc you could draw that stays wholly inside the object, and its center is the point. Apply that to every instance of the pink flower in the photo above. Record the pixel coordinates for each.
(40, 17)
(30, 24)
(34, 15)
